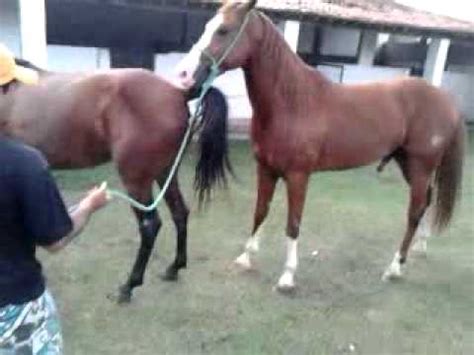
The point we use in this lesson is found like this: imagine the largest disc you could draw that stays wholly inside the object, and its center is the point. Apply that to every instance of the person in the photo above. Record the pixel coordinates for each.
(32, 214)
(10, 72)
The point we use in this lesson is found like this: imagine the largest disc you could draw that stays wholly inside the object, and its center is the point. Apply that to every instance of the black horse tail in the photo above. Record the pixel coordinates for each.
(213, 164)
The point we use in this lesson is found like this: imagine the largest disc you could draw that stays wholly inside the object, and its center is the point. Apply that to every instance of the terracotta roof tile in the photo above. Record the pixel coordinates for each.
(383, 13)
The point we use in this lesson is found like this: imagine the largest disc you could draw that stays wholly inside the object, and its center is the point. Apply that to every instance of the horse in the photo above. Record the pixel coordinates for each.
(304, 123)
(131, 117)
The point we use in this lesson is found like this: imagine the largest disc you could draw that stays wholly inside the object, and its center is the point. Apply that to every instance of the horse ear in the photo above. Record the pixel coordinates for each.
(242, 6)
(249, 5)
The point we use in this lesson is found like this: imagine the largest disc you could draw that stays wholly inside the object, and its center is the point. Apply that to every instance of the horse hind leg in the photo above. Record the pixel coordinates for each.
(149, 224)
(423, 233)
(179, 212)
(418, 177)
(266, 188)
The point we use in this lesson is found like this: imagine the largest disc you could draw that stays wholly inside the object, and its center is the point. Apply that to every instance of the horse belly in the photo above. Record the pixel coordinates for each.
(339, 152)
(64, 144)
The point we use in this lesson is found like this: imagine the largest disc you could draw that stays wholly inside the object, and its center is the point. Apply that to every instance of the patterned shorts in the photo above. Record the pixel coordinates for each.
(32, 328)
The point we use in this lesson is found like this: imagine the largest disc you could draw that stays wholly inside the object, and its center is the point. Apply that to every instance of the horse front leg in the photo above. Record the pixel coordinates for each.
(149, 224)
(296, 184)
(266, 188)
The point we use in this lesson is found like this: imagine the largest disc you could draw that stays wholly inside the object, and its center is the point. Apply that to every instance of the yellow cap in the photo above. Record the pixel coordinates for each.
(9, 70)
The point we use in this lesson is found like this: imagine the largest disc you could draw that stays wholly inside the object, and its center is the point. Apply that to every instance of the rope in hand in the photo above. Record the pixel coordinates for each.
(193, 123)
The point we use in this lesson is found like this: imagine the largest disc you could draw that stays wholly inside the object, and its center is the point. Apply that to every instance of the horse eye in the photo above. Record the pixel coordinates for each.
(222, 31)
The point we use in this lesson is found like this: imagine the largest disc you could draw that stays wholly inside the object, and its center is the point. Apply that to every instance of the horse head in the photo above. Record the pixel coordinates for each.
(227, 43)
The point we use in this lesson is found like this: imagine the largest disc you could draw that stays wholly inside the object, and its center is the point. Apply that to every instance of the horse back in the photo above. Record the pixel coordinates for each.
(365, 122)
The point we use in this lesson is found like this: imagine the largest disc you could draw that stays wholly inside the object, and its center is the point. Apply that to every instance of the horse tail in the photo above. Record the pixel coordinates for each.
(213, 162)
(448, 179)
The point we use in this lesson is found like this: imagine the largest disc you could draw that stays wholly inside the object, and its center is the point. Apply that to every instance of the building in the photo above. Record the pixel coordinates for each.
(349, 40)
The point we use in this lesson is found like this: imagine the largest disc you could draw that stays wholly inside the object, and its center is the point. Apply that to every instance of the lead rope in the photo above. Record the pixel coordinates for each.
(193, 121)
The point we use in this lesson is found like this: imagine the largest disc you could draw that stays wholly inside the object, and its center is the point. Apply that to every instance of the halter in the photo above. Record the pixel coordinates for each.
(192, 126)
(216, 63)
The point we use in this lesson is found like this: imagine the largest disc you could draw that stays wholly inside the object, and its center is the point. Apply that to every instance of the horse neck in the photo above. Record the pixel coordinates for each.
(276, 77)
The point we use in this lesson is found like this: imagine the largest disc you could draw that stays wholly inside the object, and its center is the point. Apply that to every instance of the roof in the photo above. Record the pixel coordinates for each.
(384, 15)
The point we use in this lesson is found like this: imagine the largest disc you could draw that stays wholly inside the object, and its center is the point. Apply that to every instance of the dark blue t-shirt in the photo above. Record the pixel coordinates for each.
(32, 213)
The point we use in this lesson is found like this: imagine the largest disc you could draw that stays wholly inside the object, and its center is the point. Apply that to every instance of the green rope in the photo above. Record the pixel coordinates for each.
(193, 120)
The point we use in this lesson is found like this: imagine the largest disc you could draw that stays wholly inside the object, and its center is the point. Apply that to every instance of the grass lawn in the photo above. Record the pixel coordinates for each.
(355, 219)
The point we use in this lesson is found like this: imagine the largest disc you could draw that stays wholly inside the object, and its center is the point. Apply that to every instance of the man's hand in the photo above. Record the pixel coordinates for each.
(96, 198)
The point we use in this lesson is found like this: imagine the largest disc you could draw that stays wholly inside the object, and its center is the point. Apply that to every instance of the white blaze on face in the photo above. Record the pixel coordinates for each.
(190, 63)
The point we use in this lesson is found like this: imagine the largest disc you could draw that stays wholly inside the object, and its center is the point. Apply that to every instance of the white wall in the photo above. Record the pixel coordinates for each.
(9, 25)
(60, 58)
(461, 87)
(71, 59)
(360, 73)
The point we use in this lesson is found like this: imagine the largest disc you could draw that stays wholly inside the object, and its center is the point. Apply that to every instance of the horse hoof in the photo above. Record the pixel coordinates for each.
(391, 275)
(170, 275)
(285, 289)
(124, 296)
(243, 262)
(420, 248)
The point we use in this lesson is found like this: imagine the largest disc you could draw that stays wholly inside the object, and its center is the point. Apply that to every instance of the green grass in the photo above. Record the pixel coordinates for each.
(355, 219)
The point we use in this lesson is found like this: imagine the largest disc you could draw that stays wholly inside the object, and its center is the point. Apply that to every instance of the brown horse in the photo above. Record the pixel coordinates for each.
(132, 117)
(304, 123)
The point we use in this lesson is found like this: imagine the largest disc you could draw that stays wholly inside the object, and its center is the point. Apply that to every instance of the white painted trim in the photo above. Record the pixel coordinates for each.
(368, 47)
(382, 38)
(32, 19)
(291, 32)
(436, 60)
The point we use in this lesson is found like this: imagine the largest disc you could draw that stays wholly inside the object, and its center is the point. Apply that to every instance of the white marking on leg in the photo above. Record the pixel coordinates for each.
(287, 279)
(252, 246)
(243, 260)
(394, 270)
(423, 233)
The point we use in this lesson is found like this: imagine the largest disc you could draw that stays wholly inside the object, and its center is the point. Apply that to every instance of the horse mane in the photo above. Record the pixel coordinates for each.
(274, 44)
(292, 70)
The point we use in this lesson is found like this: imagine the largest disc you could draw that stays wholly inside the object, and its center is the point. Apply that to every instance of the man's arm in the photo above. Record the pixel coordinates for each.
(80, 215)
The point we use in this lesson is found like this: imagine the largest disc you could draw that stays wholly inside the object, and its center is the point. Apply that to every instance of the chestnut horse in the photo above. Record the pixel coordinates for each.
(129, 116)
(304, 123)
